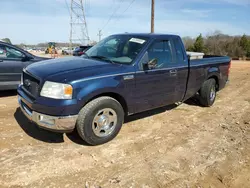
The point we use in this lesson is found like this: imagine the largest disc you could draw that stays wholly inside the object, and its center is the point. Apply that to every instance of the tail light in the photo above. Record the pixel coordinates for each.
(80, 53)
(229, 67)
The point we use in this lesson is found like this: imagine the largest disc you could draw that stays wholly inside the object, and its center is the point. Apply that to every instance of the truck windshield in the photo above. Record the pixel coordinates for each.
(121, 49)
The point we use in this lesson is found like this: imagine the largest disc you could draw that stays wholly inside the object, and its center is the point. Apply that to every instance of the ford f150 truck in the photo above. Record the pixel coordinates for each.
(122, 75)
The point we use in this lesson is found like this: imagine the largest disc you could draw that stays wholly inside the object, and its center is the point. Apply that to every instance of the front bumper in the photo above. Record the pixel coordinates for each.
(53, 123)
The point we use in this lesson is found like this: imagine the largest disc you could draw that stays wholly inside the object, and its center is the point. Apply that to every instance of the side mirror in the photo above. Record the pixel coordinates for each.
(152, 64)
(146, 64)
(25, 58)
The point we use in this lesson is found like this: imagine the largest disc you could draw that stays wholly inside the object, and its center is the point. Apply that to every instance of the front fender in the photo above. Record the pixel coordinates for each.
(89, 89)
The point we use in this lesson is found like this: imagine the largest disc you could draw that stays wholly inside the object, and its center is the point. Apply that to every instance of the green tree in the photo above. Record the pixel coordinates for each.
(190, 48)
(218, 43)
(248, 49)
(199, 44)
(245, 44)
(188, 41)
(6, 40)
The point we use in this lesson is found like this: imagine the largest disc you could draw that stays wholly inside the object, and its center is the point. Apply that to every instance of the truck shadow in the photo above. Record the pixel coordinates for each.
(8, 93)
(34, 131)
(149, 113)
(74, 137)
(50, 137)
(194, 101)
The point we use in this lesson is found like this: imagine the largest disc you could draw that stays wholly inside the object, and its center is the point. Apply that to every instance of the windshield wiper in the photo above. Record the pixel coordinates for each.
(102, 58)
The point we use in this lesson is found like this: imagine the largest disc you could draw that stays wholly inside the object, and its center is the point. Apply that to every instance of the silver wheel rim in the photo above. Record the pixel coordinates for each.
(104, 122)
(212, 93)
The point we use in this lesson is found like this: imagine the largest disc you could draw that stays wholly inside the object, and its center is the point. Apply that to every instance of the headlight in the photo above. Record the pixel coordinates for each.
(57, 90)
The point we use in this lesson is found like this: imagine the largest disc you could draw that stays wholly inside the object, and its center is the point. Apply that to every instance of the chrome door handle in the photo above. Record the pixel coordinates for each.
(173, 72)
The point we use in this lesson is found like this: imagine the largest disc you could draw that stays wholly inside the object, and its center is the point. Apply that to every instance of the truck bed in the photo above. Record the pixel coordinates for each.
(209, 59)
(209, 66)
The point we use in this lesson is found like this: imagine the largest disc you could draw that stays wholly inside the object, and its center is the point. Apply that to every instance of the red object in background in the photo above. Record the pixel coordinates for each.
(80, 53)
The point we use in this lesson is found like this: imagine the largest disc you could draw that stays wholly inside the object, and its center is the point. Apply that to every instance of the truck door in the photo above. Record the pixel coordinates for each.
(11, 66)
(156, 87)
(181, 69)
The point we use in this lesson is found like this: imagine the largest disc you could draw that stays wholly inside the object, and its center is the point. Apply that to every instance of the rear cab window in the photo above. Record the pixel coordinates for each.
(179, 55)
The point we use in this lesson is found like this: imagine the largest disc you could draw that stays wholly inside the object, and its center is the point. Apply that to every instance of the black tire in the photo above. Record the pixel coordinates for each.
(207, 88)
(86, 117)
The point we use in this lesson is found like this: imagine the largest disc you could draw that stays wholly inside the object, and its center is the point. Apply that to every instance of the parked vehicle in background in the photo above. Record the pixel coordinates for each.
(121, 75)
(80, 50)
(12, 62)
(51, 46)
(67, 51)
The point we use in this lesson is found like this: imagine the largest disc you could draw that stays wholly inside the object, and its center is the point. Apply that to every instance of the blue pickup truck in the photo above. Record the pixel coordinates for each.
(124, 74)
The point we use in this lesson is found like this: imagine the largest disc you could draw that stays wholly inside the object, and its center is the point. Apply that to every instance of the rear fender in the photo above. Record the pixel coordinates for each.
(214, 72)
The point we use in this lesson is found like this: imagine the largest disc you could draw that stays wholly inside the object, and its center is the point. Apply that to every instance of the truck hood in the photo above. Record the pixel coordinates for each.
(72, 68)
(38, 58)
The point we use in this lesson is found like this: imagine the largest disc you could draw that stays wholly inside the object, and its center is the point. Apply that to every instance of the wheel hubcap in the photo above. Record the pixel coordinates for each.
(212, 94)
(104, 122)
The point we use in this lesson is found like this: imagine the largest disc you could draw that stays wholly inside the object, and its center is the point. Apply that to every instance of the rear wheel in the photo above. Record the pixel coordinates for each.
(100, 120)
(208, 93)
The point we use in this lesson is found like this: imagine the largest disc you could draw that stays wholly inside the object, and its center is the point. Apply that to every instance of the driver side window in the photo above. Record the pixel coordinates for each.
(10, 53)
(161, 52)
(13, 53)
(2, 52)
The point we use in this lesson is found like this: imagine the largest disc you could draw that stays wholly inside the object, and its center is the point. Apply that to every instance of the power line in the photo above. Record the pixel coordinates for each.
(112, 15)
(67, 5)
(128, 6)
(126, 9)
(87, 6)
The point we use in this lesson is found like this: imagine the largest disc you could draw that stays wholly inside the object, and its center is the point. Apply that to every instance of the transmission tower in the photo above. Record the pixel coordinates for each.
(78, 24)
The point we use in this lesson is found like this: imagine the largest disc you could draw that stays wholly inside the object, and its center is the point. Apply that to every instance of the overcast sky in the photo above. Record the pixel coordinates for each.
(33, 21)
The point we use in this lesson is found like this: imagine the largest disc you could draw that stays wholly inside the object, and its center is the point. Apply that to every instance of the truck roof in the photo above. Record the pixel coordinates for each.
(150, 35)
(2, 42)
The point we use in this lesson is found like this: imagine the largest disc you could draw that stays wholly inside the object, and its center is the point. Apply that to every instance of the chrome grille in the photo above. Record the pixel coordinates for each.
(31, 85)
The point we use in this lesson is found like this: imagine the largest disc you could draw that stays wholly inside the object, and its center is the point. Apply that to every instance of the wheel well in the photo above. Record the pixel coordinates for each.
(117, 97)
(217, 81)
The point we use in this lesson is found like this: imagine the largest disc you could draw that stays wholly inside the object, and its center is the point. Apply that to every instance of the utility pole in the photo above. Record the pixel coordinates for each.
(78, 24)
(99, 35)
(70, 37)
(153, 16)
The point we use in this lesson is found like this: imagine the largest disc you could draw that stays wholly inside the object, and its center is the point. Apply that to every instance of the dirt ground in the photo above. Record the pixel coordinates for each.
(177, 146)
(42, 54)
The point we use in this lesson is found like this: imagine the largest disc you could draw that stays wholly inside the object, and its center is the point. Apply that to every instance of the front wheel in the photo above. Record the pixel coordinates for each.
(100, 120)
(208, 93)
